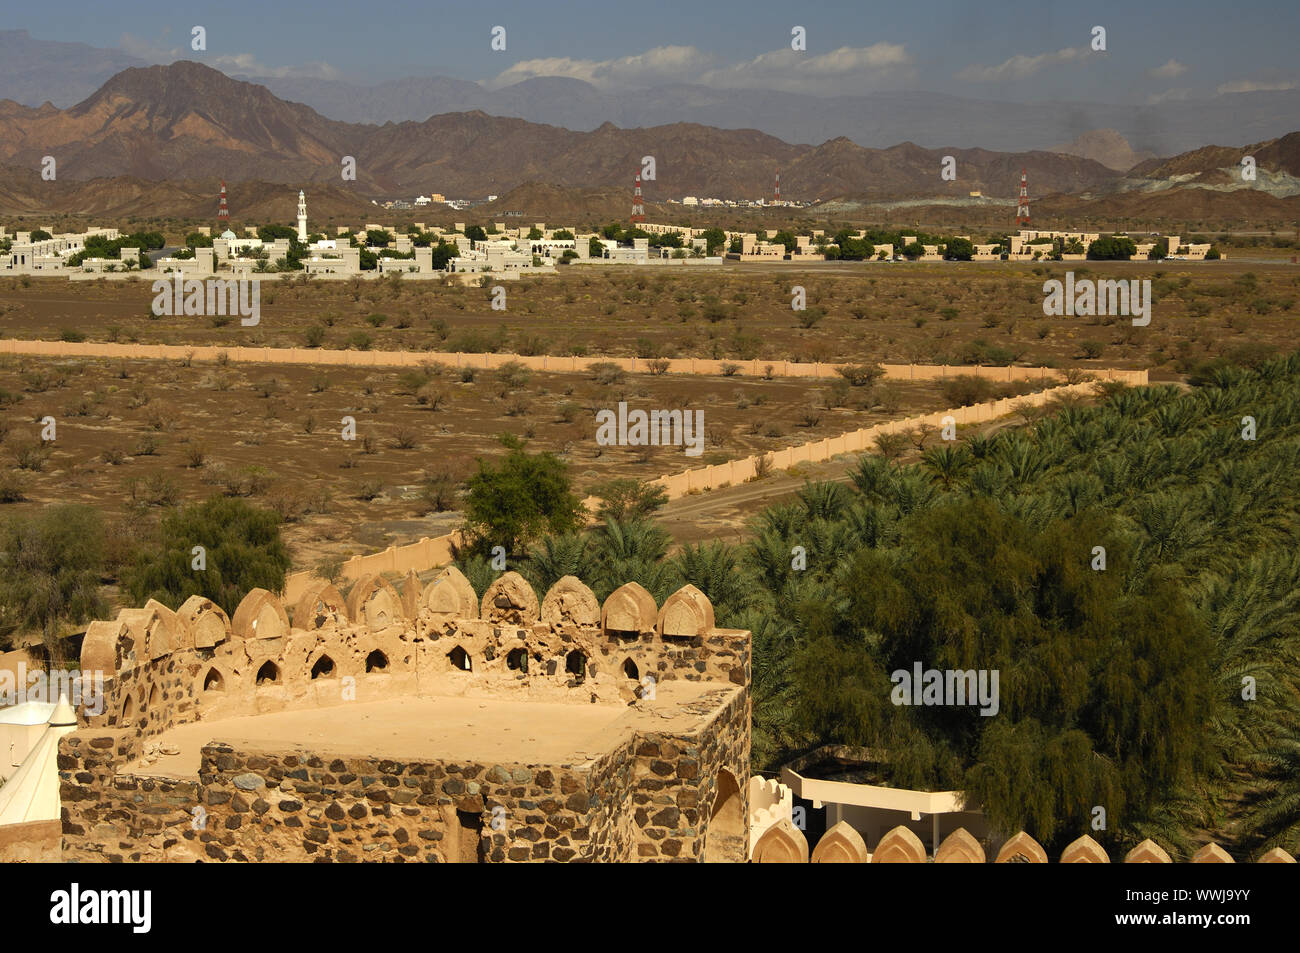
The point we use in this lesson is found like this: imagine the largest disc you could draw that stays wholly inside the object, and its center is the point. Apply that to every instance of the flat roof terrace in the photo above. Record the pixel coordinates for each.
(444, 728)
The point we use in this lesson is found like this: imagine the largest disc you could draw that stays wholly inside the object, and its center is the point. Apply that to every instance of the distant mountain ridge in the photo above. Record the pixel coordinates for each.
(874, 120)
(34, 71)
(188, 121)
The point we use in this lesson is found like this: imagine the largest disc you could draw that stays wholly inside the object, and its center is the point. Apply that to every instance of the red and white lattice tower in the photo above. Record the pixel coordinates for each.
(638, 206)
(776, 192)
(223, 213)
(1022, 210)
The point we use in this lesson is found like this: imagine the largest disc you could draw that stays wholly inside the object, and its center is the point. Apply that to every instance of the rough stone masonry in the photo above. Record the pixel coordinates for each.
(425, 725)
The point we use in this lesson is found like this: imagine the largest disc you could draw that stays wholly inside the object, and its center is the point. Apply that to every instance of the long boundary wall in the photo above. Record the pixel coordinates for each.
(550, 363)
(432, 552)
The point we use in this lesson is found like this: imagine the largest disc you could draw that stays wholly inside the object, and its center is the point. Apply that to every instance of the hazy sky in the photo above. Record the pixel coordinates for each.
(1156, 50)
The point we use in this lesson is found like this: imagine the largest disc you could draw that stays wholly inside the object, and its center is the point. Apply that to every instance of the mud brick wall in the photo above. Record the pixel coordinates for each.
(31, 842)
(647, 798)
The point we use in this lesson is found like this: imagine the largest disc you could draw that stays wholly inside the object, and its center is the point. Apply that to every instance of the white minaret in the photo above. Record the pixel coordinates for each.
(302, 217)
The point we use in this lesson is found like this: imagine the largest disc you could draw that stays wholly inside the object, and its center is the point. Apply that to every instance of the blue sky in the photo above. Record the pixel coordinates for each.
(1156, 50)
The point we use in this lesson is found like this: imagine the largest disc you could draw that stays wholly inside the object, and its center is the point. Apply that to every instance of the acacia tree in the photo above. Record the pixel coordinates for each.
(624, 499)
(241, 550)
(513, 502)
(50, 570)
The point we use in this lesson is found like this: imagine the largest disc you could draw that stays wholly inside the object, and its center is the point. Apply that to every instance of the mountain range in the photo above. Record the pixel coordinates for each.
(187, 121)
(33, 72)
(187, 125)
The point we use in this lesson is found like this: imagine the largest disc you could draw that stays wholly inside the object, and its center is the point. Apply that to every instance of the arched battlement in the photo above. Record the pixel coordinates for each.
(842, 844)
(320, 604)
(450, 596)
(1084, 850)
(1276, 855)
(899, 846)
(510, 599)
(570, 602)
(108, 647)
(1022, 849)
(167, 632)
(260, 615)
(1212, 854)
(1147, 852)
(687, 613)
(783, 843)
(373, 602)
(960, 847)
(629, 610)
(207, 622)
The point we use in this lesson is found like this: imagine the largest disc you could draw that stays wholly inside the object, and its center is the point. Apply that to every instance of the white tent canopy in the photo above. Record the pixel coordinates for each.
(32, 794)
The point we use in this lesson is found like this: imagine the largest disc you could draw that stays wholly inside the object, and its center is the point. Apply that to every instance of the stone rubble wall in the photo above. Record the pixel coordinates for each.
(678, 785)
(265, 805)
(251, 803)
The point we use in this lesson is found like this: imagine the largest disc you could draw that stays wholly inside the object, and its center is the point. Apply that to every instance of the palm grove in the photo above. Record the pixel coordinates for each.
(1164, 688)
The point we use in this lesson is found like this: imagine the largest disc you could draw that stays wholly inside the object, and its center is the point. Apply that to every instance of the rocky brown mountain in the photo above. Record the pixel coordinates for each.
(188, 121)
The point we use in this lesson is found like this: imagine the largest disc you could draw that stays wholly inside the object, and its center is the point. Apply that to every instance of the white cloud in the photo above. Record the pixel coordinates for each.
(245, 64)
(236, 64)
(1168, 70)
(1170, 95)
(1020, 66)
(826, 73)
(1256, 86)
(787, 70)
(146, 50)
(659, 65)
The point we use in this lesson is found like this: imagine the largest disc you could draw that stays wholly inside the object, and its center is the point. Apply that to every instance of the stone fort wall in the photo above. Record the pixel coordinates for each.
(670, 793)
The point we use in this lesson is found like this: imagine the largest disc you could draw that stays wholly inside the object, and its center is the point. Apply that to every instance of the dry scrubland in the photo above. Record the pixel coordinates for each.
(136, 436)
(903, 313)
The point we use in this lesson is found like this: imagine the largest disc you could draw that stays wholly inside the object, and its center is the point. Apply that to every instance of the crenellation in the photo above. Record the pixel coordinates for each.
(219, 742)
